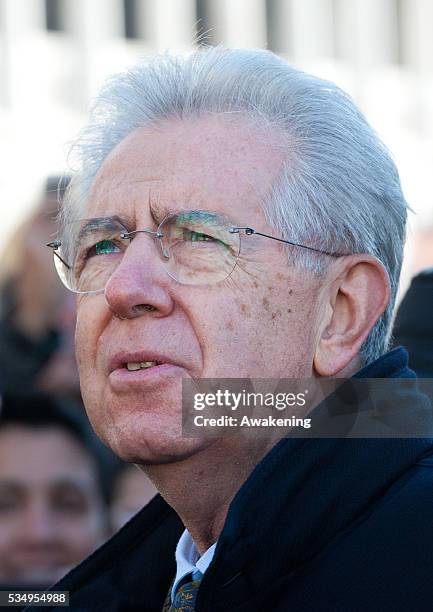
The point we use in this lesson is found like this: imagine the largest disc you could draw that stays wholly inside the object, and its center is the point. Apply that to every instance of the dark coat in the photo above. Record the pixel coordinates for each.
(22, 358)
(414, 324)
(333, 525)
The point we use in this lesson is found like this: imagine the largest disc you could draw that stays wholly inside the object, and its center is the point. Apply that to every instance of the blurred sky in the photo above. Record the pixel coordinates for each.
(54, 54)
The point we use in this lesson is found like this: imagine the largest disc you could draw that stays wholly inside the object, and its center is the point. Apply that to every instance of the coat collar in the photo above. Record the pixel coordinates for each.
(319, 486)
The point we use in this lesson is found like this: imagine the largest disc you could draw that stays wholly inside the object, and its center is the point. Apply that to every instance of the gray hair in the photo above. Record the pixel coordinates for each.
(339, 189)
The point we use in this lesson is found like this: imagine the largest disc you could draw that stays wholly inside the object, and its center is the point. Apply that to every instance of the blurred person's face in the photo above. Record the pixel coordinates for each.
(51, 514)
(38, 292)
(132, 491)
(43, 303)
(41, 229)
(259, 322)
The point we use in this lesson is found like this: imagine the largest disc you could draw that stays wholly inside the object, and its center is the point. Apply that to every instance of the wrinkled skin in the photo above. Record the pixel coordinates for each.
(260, 322)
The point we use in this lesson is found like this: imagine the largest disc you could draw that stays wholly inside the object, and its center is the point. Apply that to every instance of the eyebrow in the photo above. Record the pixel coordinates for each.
(11, 486)
(97, 222)
(160, 212)
(77, 486)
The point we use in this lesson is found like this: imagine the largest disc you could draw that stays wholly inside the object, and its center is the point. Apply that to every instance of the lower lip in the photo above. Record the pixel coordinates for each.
(123, 379)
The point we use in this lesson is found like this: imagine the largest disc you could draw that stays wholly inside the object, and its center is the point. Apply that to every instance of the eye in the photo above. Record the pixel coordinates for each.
(8, 505)
(70, 506)
(69, 501)
(197, 236)
(103, 247)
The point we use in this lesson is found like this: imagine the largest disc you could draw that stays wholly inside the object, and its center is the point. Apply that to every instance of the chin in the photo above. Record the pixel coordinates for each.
(140, 429)
(158, 451)
(147, 443)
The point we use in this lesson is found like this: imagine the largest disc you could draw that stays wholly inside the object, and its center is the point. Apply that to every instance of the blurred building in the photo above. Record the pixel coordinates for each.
(54, 54)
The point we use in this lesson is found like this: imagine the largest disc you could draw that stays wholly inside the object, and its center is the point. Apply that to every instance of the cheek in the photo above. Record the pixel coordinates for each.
(90, 324)
(90, 321)
(8, 533)
(233, 333)
(263, 334)
(81, 535)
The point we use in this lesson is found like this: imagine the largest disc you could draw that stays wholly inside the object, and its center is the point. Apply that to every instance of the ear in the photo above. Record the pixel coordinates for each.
(356, 293)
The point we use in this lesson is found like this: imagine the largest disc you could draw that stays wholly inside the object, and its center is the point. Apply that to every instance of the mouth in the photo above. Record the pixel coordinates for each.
(133, 366)
(133, 361)
(128, 370)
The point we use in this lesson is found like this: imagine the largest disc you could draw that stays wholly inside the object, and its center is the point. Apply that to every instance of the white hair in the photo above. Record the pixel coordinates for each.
(339, 190)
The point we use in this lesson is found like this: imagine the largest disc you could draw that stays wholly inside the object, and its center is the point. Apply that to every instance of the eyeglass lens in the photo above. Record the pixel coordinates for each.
(196, 248)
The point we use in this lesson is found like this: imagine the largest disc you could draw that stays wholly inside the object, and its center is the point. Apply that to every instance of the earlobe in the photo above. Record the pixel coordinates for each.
(357, 296)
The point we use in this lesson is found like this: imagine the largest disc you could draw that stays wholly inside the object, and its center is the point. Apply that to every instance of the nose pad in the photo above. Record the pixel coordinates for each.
(164, 250)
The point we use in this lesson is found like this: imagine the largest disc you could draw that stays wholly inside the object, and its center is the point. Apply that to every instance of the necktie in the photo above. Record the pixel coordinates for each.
(186, 594)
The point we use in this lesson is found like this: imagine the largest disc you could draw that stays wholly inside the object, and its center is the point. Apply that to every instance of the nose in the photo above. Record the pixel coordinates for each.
(38, 526)
(139, 284)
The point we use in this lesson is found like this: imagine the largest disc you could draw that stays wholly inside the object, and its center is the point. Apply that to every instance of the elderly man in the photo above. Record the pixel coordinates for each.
(235, 217)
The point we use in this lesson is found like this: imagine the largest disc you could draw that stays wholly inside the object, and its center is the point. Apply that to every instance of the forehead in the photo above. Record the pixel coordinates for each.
(26, 455)
(211, 163)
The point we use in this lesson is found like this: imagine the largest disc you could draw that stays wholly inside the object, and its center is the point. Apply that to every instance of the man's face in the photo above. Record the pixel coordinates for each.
(259, 322)
(50, 510)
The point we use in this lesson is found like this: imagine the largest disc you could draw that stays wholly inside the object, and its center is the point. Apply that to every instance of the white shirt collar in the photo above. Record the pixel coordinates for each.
(188, 559)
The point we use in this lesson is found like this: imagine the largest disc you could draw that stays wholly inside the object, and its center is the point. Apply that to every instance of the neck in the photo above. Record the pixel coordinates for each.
(201, 488)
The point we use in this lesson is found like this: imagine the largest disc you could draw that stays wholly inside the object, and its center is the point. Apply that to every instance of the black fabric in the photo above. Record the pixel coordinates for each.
(22, 358)
(414, 324)
(328, 525)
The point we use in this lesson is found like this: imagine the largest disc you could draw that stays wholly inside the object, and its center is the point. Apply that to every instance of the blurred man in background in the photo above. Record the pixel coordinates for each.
(52, 513)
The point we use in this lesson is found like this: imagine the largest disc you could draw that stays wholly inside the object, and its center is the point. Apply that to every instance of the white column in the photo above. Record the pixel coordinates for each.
(244, 23)
(144, 19)
(174, 24)
(19, 19)
(367, 32)
(215, 12)
(5, 55)
(92, 23)
(417, 22)
(25, 14)
(95, 19)
(281, 25)
(311, 29)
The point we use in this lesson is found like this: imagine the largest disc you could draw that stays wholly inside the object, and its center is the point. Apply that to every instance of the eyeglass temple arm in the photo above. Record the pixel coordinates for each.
(55, 245)
(250, 230)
